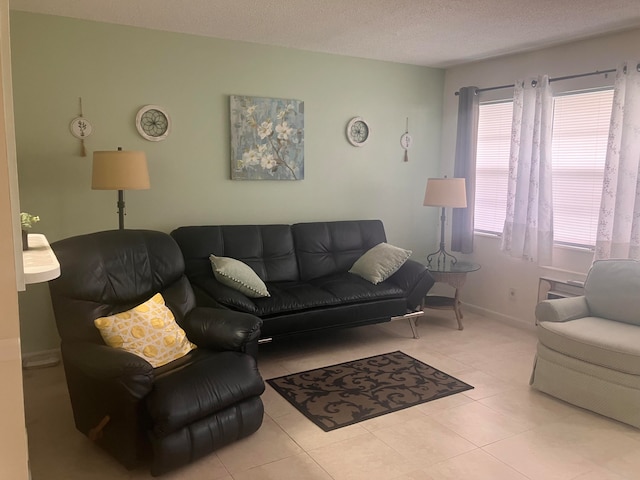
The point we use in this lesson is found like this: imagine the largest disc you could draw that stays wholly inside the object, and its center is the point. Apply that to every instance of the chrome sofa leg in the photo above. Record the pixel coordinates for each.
(412, 317)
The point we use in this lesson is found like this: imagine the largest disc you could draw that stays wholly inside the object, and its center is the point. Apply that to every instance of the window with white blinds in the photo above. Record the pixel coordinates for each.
(580, 133)
(579, 148)
(492, 166)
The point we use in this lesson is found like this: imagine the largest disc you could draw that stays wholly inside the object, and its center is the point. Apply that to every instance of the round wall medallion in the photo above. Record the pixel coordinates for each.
(153, 123)
(358, 131)
(80, 127)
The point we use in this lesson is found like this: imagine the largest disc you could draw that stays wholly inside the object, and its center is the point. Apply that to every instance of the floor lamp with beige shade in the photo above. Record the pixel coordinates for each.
(120, 170)
(444, 192)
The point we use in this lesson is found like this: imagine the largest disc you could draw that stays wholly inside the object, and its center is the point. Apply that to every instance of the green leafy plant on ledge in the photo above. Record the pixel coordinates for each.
(27, 220)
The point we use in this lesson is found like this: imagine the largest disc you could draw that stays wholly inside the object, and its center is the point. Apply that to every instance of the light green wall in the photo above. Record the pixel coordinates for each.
(117, 69)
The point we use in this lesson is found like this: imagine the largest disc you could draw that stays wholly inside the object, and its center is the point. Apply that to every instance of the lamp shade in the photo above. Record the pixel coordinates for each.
(120, 170)
(445, 192)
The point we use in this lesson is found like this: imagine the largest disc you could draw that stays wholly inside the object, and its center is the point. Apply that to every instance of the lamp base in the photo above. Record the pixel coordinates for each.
(438, 260)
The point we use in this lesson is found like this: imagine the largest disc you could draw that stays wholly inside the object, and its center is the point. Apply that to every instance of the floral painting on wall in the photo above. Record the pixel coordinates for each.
(267, 138)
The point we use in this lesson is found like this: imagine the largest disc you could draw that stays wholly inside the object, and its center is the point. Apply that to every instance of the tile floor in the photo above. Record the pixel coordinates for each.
(501, 430)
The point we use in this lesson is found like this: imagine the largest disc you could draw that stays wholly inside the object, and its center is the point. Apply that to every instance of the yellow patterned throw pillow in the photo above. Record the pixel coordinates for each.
(148, 330)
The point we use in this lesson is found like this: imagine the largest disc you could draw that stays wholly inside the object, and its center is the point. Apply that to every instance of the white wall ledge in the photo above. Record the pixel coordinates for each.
(39, 262)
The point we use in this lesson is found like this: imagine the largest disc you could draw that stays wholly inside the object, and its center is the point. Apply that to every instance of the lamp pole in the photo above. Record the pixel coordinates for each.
(121, 213)
(441, 255)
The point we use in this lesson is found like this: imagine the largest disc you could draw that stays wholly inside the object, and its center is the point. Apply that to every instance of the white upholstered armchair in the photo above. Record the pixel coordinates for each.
(589, 346)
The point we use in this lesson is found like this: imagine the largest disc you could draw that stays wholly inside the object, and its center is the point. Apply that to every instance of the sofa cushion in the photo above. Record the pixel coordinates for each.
(336, 316)
(327, 248)
(380, 262)
(598, 341)
(611, 290)
(238, 275)
(608, 392)
(341, 289)
(148, 330)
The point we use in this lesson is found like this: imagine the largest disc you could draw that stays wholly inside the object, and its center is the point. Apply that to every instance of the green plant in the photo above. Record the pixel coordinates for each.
(27, 220)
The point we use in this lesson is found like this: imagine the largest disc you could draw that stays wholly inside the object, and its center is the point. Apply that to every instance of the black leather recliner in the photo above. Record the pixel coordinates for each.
(172, 414)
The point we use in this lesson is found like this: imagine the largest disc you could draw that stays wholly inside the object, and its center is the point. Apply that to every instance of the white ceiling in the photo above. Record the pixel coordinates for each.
(437, 33)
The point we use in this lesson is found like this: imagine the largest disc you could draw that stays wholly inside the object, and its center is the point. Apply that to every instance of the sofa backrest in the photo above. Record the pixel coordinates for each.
(612, 290)
(327, 248)
(267, 249)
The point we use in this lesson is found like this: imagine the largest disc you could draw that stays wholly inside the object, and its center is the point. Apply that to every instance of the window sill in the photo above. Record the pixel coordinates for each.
(487, 234)
(574, 248)
(562, 246)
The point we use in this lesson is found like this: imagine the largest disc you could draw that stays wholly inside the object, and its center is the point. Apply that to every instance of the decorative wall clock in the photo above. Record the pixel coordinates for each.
(153, 123)
(358, 131)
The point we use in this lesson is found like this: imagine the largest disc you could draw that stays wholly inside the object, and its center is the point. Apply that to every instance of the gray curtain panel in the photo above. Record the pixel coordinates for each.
(465, 167)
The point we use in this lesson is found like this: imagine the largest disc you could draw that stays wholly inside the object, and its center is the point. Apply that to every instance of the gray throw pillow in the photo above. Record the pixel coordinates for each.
(380, 262)
(238, 275)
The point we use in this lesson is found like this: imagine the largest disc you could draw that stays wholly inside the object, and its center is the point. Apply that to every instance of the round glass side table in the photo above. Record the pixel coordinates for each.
(455, 275)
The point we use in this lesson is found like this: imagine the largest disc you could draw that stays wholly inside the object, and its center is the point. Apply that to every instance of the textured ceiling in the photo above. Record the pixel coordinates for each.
(437, 33)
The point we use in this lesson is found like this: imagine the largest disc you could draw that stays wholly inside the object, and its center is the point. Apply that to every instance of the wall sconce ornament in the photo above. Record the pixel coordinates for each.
(405, 142)
(81, 128)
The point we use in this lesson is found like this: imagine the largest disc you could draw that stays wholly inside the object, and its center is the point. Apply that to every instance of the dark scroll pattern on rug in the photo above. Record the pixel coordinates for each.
(350, 392)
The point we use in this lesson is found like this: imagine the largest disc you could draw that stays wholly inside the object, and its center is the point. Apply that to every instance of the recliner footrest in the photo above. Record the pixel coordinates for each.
(200, 438)
(200, 389)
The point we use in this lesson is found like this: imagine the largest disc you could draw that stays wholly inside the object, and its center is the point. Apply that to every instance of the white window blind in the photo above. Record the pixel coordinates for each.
(492, 165)
(579, 147)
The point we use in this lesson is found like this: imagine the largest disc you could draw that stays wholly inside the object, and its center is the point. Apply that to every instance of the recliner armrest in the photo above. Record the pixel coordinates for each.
(562, 309)
(112, 365)
(220, 329)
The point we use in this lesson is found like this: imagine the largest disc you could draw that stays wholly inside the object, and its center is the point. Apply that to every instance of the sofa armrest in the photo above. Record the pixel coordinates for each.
(562, 309)
(220, 329)
(111, 365)
(414, 278)
(223, 295)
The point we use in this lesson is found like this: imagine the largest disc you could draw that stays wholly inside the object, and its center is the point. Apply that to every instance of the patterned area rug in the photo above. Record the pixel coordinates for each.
(350, 392)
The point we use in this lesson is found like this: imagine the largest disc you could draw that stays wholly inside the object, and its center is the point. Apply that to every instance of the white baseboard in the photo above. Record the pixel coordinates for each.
(513, 321)
(41, 359)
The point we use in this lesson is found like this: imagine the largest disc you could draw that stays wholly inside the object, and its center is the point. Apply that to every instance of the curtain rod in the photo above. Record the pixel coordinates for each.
(556, 79)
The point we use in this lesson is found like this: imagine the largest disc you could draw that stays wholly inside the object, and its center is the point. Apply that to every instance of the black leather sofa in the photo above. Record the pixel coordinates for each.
(305, 268)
